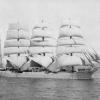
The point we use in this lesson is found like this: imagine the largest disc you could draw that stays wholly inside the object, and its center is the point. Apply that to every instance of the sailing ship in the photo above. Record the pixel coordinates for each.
(73, 55)
(68, 58)
(16, 47)
(42, 48)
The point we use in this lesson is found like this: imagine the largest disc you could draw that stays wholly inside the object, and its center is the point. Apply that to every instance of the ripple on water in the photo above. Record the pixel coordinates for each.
(49, 89)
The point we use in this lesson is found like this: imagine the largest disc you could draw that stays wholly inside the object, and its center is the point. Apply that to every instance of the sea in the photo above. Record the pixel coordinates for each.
(49, 89)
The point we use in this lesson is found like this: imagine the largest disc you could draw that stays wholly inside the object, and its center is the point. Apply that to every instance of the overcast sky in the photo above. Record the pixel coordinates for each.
(86, 12)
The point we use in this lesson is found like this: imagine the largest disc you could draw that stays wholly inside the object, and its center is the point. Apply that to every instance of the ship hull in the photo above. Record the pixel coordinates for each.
(60, 75)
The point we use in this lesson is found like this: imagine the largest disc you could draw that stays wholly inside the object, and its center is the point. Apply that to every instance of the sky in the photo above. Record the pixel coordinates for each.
(30, 12)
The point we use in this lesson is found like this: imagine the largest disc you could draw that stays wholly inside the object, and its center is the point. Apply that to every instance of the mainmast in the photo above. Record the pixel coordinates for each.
(42, 41)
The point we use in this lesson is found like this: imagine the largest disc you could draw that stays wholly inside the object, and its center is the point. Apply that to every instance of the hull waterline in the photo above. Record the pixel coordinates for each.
(60, 75)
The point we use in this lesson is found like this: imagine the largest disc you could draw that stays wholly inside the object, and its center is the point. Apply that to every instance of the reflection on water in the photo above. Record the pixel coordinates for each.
(49, 89)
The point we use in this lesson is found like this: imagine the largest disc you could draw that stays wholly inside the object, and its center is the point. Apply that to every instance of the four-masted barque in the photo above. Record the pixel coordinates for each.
(43, 56)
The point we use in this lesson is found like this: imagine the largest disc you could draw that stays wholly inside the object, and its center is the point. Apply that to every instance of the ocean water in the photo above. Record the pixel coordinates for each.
(49, 89)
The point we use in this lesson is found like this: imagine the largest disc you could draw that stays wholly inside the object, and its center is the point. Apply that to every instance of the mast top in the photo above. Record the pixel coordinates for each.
(70, 22)
(42, 25)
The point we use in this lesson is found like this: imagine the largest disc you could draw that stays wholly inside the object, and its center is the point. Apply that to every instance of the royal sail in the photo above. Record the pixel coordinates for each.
(16, 46)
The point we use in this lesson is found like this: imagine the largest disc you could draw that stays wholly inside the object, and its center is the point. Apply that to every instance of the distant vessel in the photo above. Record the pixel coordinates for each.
(73, 55)
(15, 47)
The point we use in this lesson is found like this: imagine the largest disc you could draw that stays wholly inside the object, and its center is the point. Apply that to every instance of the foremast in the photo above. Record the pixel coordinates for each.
(16, 44)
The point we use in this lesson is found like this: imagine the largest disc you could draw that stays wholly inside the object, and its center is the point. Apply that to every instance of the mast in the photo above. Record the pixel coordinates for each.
(71, 42)
(42, 41)
(69, 37)
(16, 43)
